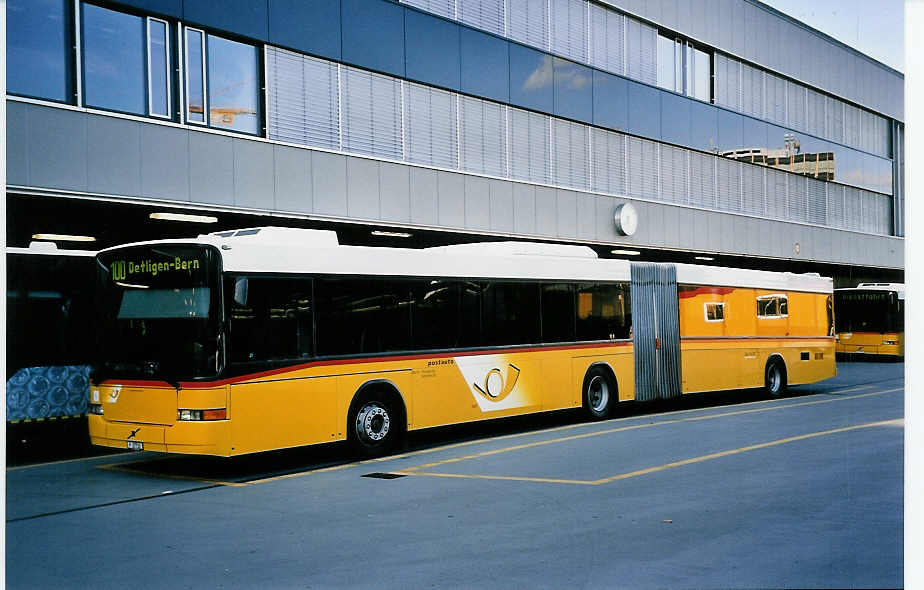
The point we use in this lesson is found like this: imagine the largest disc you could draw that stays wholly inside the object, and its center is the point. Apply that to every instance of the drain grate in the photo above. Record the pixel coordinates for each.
(385, 475)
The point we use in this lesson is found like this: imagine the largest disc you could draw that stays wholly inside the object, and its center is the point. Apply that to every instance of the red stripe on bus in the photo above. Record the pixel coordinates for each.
(364, 360)
(686, 293)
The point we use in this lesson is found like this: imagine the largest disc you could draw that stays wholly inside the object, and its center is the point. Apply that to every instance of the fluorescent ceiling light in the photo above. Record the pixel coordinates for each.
(703, 258)
(63, 238)
(626, 252)
(184, 217)
(391, 234)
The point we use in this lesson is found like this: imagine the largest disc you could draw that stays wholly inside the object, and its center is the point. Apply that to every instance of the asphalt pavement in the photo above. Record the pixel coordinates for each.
(712, 491)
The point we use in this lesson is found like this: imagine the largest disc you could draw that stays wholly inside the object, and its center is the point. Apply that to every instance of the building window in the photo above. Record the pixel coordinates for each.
(158, 68)
(772, 306)
(113, 60)
(670, 61)
(126, 62)
(715, 312)
(699, 74)
(223, 79)
(39, 49)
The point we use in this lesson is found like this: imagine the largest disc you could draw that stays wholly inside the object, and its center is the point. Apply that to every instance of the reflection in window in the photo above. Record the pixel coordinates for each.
(670, 73)
(223, 81)
(233, 85)
(772, 306)
(195, 76)
(715, 312)
(269, 318)
(113, 60)
(38, 49)
(159, 66)
(603, 311)
(699, 74)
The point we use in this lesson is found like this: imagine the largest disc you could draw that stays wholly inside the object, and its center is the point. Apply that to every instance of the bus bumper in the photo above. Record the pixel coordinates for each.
(200, 438)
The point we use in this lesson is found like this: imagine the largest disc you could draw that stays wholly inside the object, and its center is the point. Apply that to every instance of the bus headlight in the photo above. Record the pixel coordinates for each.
(95, 409)
(890, 342)
(202, 415)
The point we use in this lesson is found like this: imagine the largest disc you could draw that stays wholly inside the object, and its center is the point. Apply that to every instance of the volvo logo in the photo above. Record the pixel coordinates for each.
(133, 433)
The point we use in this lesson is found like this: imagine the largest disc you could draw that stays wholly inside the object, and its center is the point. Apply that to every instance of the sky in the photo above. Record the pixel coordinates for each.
(875, 27)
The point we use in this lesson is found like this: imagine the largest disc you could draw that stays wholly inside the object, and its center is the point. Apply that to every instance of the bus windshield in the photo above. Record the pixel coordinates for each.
(867, 311)
(159, 313)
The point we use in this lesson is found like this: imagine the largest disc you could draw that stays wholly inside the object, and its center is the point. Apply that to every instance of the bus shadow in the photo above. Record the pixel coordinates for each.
(233, 470)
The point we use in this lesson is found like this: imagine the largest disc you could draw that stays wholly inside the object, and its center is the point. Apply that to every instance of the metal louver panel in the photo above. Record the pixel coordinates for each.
(815, 113)
(853, 125)
(674, 174)
(752, 91)
(852, 212)
(609, 162)
(728, 87)
(484, 14)
(702, 180)
(728, 185)
(302, 99)
(607, 39)
(776, 98)
(528, 22)
(655, 331)
(777, 195)
(529, 146)
(372, 114)
(445, 8)
(752, 189)
(795, 105)
(643, 168)
(569, 29)
(483, 136)
(817, 201)
(570, 157)
(834, 119)
(642, 51)
(431, 133)
(797, 197)
(835, 208)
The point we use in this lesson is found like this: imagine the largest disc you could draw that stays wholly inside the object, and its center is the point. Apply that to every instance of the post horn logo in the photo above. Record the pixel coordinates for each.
(496, 387)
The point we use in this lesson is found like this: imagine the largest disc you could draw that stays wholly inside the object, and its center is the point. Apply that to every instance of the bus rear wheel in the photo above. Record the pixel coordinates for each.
(775, 378)
(374, 425)
(599, 393)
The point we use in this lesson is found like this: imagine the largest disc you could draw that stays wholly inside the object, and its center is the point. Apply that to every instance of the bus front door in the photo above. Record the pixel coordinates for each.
(655, 331)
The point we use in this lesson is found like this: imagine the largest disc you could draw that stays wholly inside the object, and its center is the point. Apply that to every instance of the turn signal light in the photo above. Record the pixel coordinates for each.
(201, 415)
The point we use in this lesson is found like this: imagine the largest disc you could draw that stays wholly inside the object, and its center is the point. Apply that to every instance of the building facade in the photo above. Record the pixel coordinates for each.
(469, 118)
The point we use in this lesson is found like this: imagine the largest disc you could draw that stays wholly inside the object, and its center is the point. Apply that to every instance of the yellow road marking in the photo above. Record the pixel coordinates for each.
(635, 427)
(551, 430)
(546, 431)
(122, 469)
(648, 470)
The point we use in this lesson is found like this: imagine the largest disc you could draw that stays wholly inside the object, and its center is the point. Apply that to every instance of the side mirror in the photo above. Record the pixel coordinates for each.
(240, 291)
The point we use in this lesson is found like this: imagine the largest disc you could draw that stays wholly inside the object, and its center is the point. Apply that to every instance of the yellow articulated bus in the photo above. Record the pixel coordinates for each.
(870, 320)
(267, 338)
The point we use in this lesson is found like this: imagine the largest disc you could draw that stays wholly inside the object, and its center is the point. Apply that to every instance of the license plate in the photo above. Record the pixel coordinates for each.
(135, 445)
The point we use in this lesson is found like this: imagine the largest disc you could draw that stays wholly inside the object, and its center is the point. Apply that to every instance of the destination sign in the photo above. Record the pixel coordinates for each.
(124, 269)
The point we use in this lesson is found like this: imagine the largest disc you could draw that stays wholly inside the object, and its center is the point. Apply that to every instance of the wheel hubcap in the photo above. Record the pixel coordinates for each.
(775, 379)
(372, 423)
(598, 393)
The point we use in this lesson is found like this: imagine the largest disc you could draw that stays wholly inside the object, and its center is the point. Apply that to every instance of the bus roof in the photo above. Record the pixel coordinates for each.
(290, 250)
(898, 288)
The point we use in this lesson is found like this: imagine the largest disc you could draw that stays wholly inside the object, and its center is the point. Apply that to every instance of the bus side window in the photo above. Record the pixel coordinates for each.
(270, 318)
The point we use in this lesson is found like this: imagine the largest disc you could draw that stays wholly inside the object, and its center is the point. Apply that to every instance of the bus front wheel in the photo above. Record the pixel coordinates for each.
(775, 377)
(374, 424)
(599, 393)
